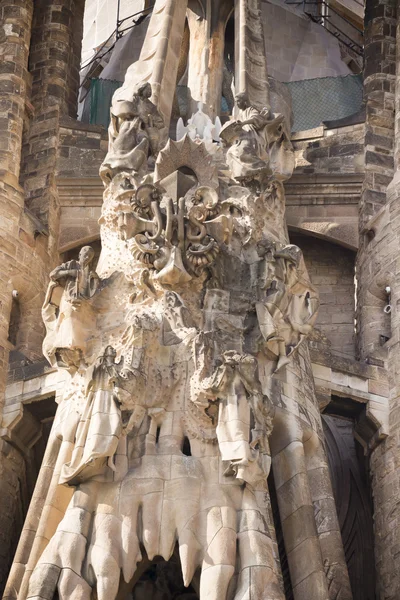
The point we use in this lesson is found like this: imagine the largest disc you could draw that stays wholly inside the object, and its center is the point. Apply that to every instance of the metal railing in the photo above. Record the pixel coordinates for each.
(325, 15)
(117, 34)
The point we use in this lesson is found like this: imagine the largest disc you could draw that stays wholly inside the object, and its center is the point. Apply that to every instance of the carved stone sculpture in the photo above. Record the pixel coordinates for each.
(134, 134)
(259, 146)
(67, 310)
(189, 377)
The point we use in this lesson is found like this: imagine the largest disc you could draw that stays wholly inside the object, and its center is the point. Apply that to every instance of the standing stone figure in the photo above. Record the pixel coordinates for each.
(66, 306)
(100, 427)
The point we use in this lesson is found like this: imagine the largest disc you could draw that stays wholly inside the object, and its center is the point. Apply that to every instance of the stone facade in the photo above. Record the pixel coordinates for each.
(341, 215)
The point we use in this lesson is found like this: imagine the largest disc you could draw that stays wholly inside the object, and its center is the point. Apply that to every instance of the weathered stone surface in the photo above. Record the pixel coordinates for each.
(185, 357)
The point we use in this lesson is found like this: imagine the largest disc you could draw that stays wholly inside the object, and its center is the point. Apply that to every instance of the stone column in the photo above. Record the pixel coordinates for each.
(44, 38)
(54, 62)
(206, 55)
(379, 83)
(15, 33)
(380, 265)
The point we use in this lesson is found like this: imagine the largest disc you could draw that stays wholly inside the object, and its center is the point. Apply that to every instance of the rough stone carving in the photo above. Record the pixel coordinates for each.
(259, 146)
(188, 375)
(67, 310)
(134, 134)
(209, 303)
(201, 127)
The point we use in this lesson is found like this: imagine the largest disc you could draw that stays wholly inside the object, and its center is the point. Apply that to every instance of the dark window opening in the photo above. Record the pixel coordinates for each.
(15, 320)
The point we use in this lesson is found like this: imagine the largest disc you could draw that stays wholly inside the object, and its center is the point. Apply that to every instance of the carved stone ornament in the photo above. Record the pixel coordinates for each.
(188, 374)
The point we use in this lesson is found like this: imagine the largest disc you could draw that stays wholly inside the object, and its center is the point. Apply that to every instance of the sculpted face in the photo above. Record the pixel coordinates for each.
(145, 90)
(241, 101)
(109, 355)
(171, 300)
(86, 255)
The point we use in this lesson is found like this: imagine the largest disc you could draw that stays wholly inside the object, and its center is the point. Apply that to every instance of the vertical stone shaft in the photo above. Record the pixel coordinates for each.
(206, 54)
(159, 57)
(307, 510)
(379, 82)
(385, 461)
(251, 65)
(15, 33)
(215, 69)
(54, 60)
(54, 66)
(199, 28)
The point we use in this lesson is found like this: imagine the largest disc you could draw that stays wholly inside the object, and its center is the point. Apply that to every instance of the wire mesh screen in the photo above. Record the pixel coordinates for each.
(101, 93)
(324, 99)
(313, 100)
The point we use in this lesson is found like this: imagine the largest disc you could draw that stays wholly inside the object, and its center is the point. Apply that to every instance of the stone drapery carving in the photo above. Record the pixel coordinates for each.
(259, 147)
(67, 310)
(98, 453)
(135, 133)
(188, 376)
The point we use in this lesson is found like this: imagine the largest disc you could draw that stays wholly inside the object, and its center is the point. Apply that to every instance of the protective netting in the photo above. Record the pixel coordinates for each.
(324, 99)
(313, 100)
(101, 93)
(100, 21)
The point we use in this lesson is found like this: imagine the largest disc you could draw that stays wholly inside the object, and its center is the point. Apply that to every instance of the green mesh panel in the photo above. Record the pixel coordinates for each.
(324, 99)
(314, 100)
(101, 92)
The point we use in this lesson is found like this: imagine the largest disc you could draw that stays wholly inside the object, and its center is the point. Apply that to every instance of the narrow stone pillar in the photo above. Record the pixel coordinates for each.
(206, 55)
(54, 63)
(44, 37)
(15, 33)
(381, 264)
(379, 83)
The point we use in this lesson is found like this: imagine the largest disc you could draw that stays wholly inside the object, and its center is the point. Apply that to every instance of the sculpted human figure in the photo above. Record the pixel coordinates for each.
(254, 140)
(287, 311)
(67, 312)
(236, 387)
(134, 134)
(100, 427)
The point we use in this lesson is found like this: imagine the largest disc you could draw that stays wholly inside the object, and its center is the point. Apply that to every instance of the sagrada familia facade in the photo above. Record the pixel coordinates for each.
(199, 316)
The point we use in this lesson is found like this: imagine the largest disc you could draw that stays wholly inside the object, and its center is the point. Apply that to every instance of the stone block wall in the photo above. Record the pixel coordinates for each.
(82, 149)
(379, 91)
(54, 58)
(15, 33)
(13, 482)
(331, 270)
(385, 460)
(336, 150)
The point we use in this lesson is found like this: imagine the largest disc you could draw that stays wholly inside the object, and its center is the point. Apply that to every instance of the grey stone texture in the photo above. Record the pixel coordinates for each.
(331, 269)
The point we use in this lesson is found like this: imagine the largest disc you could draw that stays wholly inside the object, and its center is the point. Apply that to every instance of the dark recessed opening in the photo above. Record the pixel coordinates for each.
(158, 434)
(186, 447)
